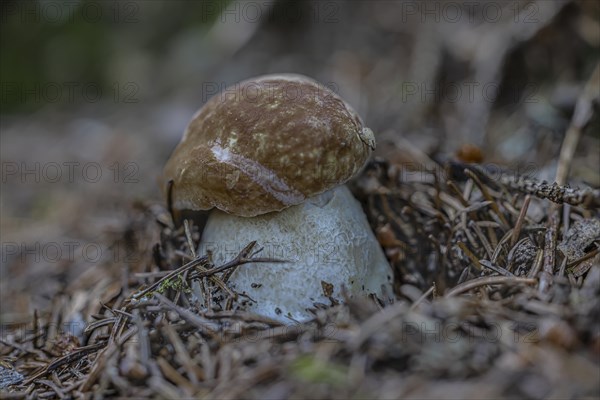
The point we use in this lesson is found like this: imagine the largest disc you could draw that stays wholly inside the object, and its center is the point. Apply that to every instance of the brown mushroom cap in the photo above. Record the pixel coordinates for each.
(265, 144)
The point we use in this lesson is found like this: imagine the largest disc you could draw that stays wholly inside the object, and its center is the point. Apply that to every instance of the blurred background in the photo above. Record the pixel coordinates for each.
(96, 94)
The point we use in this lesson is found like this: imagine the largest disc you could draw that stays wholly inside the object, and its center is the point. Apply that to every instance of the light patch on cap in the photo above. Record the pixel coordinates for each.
(266, 178)
(368, 138)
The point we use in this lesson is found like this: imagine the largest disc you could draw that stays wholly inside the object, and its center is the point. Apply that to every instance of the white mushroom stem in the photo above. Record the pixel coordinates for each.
(328, 242)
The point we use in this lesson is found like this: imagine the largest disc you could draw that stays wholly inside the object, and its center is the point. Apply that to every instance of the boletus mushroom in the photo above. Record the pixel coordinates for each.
(269, 156)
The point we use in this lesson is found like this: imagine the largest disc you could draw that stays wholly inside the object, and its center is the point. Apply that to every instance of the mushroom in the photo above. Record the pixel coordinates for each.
(269, 156)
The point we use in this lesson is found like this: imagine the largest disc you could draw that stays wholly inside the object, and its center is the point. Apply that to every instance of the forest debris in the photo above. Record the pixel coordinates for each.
(547, 274)
(8, 376)
(559, 194)
(583, 234)
(490, 280)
